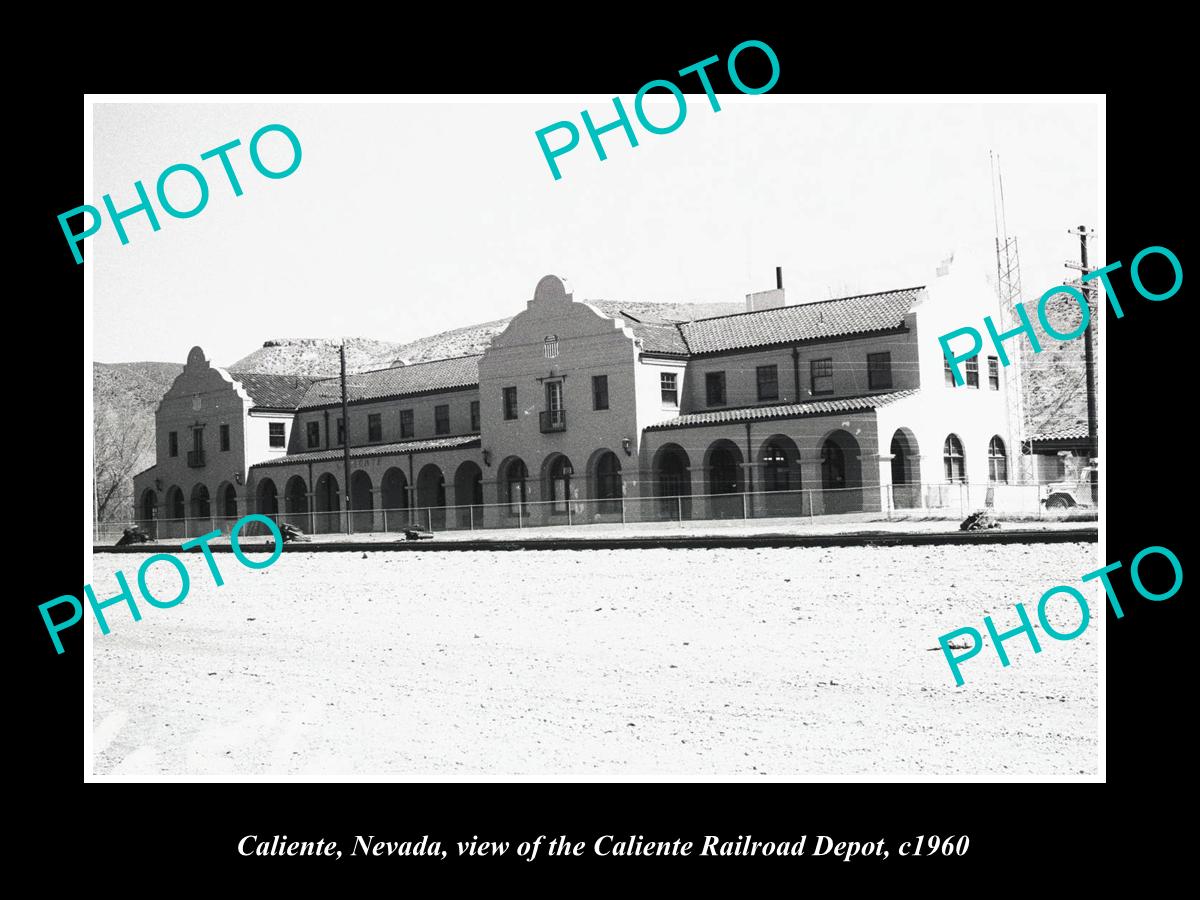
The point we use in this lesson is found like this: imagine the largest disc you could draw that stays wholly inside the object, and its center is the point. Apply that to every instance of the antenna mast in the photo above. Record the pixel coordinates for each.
(1008, 291)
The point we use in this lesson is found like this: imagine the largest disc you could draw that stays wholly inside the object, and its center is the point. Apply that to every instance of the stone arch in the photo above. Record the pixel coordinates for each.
(362, 503)
(468, 493)
(779, 478)
(266, 498)
(431, 497)
(227, 505)
(327, 502)
(841, 472)
(514, 485)
(201, 503)
(148, 508)
(295, 504)
(673, 478)
(176, 506)
(604, 481)
(394, 499)
(906, 469)
(557, 475)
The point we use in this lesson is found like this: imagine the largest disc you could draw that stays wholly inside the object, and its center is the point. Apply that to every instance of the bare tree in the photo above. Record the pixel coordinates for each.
(124, 445)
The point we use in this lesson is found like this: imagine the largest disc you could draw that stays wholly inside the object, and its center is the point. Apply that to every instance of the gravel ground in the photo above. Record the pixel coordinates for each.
(783, 663)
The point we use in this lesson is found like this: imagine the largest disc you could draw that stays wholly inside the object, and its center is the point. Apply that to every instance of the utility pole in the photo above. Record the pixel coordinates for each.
(345, 440)
(1089, 356)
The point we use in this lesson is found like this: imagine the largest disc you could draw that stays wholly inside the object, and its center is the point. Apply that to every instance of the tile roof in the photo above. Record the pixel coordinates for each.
(784, 411)
(397, 381)
(447, 443)
(274, 391)
(658, 338)
(882, 311)
(1075, 433)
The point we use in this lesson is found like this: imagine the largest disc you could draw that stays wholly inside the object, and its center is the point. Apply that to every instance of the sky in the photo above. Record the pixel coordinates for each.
(407, 219)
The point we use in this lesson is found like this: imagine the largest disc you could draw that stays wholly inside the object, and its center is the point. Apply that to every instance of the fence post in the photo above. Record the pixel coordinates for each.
(679, 504)
(745, 507)
(569, 512)
(429, 517)
(521, 512)
(622, 510)
(472, 512)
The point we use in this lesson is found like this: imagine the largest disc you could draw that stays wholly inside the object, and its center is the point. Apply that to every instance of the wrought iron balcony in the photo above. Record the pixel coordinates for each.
(553, 420)
(195, 459)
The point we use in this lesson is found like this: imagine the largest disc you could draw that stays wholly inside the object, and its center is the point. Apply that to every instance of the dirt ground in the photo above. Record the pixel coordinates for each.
(784, 663)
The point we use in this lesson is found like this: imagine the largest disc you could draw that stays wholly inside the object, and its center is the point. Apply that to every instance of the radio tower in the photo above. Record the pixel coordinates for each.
(1008, 290)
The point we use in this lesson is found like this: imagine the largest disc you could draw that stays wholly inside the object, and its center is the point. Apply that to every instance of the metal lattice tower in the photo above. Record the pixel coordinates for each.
(1008, 292)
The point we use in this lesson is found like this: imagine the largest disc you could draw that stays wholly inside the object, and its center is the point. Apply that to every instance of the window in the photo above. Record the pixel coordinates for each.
(313, 432)
(554, 418)
(670, 392)
(224, 436)
(993, 373)
(879, 370)
(973, 372)
(474, 415)
(406, 423)
(441, 419)
(821, 371)
(173, 444)
(510, 403)
(278, 434)
(952, 455)
(374, 427)
(768, 382)
(341, 432)
(599, 392)
(997, 461)
(714, 388)
(948, 372)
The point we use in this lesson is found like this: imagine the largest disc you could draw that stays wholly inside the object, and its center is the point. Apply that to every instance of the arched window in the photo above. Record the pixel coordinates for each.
(723, 472)
(997, 461)
(514, 485)
(956, 464)
(560, 483)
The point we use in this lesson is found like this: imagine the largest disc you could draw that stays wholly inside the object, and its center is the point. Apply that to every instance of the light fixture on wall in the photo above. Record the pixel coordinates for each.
(237, 476)
(158, 484)
(568, 469)
(626, 445)
(487, 458)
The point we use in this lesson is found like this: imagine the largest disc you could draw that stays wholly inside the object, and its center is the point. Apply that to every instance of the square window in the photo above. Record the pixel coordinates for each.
(374, 427)
(599, 392)
(879, 370)
(510, 403)
(714, 388)
(406, 423)
(821, 372)
(669, 389)
(278, 434)
(441, 419)
(313, 434)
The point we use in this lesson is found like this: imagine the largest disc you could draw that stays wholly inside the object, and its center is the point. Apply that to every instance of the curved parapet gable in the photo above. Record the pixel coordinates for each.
(200, 376)
(554, 312)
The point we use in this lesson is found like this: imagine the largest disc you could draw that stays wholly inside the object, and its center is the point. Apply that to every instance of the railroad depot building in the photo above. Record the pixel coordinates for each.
(572, 415)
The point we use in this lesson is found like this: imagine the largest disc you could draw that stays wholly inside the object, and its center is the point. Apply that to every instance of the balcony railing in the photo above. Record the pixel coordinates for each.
(195, 459)
(553, 420)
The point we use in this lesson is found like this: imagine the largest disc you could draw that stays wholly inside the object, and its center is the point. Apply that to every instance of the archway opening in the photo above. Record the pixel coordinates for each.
(557, 475)
(673, 482)
(295, 504)
(201, 503)
(327, 502)
(841, 473)
(362, 504)
(468, 494)
(431, 498)
(514, 486)
(781, 485)
(607, 487)
(394, 497)
(227, 501)
(906, 470)
(266, 498)
(723, 471)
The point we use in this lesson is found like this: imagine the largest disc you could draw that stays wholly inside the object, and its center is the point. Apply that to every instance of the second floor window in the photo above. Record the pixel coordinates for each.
(224, 437)
(474, 415)
(821, 371)
(441, 419)
(670, 391)
(313, 434)
(341, 432)
(406, 423)
(714, 388)
(948, 372)
(278, 434)
(768, 382)
(993, 373)
(879, 370)
(599, 392)
(510, 403)
(973, 372)
(374, 427)
(173, 444)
